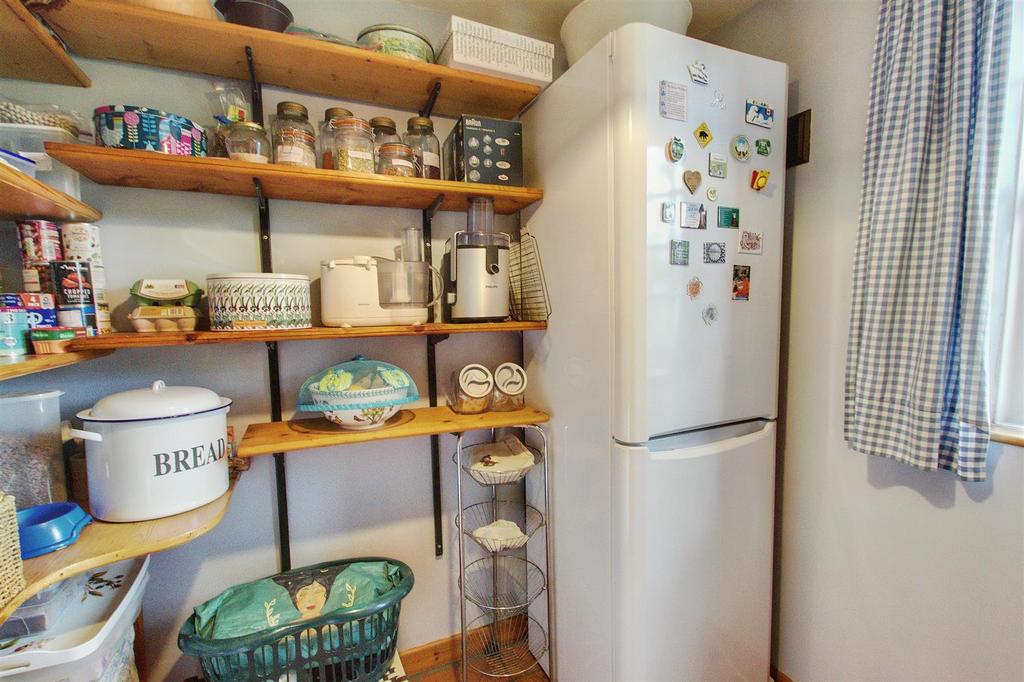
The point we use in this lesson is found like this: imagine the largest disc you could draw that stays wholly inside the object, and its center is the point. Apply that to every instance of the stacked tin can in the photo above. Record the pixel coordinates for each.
(66, 262)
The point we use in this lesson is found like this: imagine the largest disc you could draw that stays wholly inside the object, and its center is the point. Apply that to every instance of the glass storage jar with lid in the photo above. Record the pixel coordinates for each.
(325, 140)
(294, 136)
(398, 159)
(247, 141)
(384, 131)
(353, 145)
(420, 137)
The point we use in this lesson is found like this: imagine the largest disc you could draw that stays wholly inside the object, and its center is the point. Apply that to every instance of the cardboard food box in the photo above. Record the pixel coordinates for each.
(472, 46)
(41, 308)
(485, 150)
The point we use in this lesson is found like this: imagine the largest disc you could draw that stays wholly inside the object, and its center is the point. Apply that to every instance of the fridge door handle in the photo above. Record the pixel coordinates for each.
(715, 447)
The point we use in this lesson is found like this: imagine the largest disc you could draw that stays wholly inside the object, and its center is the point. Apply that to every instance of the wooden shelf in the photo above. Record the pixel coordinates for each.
(151, 340)
(108, 29)
(104, 543)
(30, 364)
(153, 170)
(307, 434)
(28, 52)
(24, 197)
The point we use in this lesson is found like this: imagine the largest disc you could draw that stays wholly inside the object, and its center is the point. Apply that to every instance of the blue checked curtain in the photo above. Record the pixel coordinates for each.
(915, 373)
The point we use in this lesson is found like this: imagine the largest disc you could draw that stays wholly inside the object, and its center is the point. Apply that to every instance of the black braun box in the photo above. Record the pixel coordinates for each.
(485, 150)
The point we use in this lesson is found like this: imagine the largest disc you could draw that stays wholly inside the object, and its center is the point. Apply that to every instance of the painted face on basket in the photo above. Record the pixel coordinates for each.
(310, 600)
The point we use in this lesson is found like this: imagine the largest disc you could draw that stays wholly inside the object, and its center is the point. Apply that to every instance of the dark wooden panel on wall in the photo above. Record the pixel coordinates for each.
(798, 139)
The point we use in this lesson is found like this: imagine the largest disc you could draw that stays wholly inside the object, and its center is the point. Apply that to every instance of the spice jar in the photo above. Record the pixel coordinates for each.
(420, 137)
(247, 141)
(470, 390)
(398, 159)
(384, 132)
(325, 140)
(294, 136)
(353, 144)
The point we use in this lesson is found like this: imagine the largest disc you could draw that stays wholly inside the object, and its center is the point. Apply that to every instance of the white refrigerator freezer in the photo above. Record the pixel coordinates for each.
(660, 363)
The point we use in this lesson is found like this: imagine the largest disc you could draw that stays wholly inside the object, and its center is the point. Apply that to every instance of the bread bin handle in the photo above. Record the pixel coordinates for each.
(86, 435)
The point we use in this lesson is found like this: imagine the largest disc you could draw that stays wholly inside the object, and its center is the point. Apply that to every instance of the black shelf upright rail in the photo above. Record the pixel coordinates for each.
(273, 361)
(432, 341)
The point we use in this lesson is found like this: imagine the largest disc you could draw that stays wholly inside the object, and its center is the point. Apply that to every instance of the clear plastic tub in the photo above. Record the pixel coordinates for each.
(43, 610)
(31, 463)
(18, 162)
(28, 140)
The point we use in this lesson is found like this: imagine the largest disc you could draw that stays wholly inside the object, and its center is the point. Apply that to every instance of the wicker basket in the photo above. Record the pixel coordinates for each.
(12, 578)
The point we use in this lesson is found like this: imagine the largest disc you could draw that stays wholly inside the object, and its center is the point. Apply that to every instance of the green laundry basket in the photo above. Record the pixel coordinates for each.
(355, 644)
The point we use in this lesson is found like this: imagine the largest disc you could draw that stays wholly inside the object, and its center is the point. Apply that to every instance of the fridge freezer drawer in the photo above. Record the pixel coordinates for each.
(692, 556)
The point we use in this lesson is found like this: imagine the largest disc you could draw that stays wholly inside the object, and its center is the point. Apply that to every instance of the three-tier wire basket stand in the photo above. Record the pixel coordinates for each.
(505, 638)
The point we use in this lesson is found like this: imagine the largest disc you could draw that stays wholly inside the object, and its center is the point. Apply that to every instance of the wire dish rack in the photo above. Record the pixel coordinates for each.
(527, 286)
(503, 585)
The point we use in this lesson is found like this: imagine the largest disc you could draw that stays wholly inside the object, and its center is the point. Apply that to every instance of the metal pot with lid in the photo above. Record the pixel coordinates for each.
(155, 452)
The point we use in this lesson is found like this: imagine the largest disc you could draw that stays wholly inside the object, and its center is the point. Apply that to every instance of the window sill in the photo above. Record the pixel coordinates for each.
(1008, 435)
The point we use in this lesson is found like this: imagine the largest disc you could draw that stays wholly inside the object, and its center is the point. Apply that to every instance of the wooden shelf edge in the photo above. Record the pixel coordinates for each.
(31, 364)
(24, 197)
(103, 543)
(120, 340)
(310, 434)
(1007, 435)
(60, 69)
(214, 175)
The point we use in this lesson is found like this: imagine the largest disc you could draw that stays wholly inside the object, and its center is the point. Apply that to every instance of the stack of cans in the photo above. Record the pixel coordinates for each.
(63, 264)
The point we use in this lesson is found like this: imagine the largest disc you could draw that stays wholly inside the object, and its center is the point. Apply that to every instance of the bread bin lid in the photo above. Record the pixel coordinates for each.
(356, 385)
(159, 401)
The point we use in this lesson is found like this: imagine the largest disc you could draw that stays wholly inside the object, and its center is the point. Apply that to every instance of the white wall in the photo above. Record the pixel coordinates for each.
(885, 572)
(344, 502)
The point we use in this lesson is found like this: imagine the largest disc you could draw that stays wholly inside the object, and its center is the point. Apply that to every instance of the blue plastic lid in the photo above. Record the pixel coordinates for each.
(49, 527)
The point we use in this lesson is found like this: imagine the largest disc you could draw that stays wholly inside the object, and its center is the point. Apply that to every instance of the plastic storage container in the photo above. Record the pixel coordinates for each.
(27, 140)
(469, 391)
(41, 611)
(18, 162)
(343, 645)
(93, 641)
(31, 463)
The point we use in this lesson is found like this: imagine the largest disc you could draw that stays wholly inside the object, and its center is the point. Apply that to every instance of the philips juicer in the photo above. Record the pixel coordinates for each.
(475, 268)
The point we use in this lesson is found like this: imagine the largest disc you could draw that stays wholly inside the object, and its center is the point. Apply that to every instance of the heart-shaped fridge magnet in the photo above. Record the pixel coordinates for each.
(692, 180)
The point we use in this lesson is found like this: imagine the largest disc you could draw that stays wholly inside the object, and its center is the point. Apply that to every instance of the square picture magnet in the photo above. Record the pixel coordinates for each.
(751, 242)
(714, 252)
(693, 215)
(718, 165)
(741, 282)
(728, 217)
(760, 114)
(679, 252)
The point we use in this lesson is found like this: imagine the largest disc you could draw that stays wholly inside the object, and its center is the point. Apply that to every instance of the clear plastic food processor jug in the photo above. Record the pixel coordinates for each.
(405, 281)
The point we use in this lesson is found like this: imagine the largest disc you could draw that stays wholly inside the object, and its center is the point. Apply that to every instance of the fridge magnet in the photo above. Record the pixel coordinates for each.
(672, 100)
(741, 282)
(750, 242)
(728, 217)
(694, 287)
(710, 315)
(712, 194)
(718, 165)
(759, 179)
(760, 114)
(679, 253)
(692, 180)
(718, 101)
(693, 215)
(668, 211)
(714, 252)
(698, 72)
(740, 147)
(764, 147)
(675, 149)
(703, 135)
